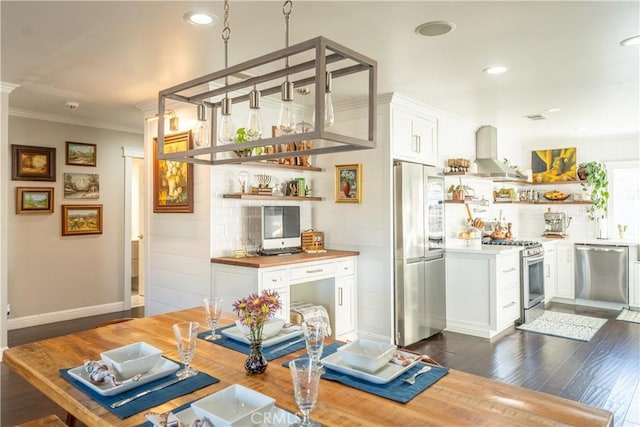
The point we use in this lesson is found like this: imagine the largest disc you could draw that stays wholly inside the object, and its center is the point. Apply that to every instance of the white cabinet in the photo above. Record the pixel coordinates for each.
(565, 285)
(329, 283)
(550, 270)
(414, 136)
(483, 292)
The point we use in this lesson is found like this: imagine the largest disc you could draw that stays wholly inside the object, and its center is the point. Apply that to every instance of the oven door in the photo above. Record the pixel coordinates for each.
(532, 281)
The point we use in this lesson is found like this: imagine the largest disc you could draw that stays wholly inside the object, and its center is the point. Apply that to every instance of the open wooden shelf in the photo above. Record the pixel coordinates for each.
(247, 196)
(275, 165)
(553, 183)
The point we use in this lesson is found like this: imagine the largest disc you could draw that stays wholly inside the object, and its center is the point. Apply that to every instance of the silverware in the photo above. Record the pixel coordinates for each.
(282, 347)
(149, 390)
(412, 378)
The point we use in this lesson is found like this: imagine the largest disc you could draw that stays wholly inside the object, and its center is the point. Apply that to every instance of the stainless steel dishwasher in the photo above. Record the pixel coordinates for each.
(602, 273)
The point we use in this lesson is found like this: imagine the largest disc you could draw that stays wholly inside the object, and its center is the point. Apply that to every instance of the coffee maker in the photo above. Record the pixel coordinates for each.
(556, 223)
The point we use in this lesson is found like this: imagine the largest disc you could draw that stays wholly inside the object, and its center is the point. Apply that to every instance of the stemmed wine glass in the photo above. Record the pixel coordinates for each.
(213, 308)
(314, 335)
(186, 334)
(305, 374)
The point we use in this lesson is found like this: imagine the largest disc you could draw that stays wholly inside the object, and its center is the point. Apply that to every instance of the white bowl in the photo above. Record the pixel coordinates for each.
(132, 359)
(366, 355)
(233, 406)
(270, 328)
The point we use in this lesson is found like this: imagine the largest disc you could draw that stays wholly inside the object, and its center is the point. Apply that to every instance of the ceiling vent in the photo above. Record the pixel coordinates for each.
(536, 117)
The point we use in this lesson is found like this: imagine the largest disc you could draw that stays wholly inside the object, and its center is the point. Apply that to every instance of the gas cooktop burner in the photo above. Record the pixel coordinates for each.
(525, 243)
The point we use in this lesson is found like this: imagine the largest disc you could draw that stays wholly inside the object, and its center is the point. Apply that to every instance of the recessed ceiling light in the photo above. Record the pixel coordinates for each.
(495, 70)
(435, 28)
(200, 18)
(554, 110)
(631, 41)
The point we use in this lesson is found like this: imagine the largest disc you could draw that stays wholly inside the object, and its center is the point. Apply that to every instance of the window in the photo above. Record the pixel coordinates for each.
(624, 200)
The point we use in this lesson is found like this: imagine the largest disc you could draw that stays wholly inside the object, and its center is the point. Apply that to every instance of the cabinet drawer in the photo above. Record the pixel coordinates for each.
(311, 272)
(273, 279)
(345, 267)
(508, 306)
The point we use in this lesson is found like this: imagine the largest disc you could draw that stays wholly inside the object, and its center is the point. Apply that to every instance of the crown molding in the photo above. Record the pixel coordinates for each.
(74, 121)
(6, 87)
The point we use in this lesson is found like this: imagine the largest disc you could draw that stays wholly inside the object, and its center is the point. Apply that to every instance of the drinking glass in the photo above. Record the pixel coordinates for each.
(305, 374)
(213, 308)
(186, 334)
(314, 335)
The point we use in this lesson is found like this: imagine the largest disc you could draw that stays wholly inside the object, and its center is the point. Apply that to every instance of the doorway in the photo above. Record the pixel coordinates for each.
(135, 196)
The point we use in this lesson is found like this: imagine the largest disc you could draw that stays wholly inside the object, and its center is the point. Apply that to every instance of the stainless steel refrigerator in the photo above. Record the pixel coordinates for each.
(420, 306)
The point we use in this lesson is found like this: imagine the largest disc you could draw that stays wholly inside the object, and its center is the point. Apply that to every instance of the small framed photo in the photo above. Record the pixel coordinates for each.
(31, 163)
(173, 180)
(81, 154)
(30, 200)
(348, 185)
(81, 219)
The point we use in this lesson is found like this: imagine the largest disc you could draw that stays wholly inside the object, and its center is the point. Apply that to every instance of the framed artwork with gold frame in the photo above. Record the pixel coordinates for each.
(348, 184)
(173, 180)
(81, 219)
(34, 200)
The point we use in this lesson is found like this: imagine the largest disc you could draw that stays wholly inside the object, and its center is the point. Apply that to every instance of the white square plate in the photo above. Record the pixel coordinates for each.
(163, 368)
(387, 373)
(278, 417)
(286, 333)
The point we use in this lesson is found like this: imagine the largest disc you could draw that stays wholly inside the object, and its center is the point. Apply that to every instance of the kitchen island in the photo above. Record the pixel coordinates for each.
(458, 399)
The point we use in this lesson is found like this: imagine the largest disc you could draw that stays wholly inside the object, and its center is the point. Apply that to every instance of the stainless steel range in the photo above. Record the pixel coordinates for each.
(531, 277)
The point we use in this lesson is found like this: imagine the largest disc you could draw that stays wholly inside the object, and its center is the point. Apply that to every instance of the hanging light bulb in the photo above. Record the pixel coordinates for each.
(227, 130)
(329, 117)
(201, 132)
(287, 121)
(254, 122)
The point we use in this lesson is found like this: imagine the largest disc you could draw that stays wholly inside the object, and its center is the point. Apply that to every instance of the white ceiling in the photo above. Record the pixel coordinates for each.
(114, 56)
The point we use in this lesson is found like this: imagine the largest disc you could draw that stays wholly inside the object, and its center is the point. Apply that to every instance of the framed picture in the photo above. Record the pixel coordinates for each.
(81, 154)
(349, 183)
(554, 165)
(31, 200)
(173, 180)
(81, 185)
(31, 163)
(81, 219)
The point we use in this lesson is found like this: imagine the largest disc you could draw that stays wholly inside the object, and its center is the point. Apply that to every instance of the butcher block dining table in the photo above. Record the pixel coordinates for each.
(457, 399)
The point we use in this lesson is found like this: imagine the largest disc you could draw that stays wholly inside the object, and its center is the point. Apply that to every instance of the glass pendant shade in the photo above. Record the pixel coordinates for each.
(254, 121)
(226, 130)
(201, 132)
(287, 120)
(329, 116)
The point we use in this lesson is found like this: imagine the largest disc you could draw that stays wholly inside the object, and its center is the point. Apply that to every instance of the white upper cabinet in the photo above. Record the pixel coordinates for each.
(414, 136)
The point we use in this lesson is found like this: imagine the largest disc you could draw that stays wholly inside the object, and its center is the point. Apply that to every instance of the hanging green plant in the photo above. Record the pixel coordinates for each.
(595, 181)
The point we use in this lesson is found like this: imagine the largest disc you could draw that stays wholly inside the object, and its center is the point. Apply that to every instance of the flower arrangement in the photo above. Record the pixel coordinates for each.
(256, 309)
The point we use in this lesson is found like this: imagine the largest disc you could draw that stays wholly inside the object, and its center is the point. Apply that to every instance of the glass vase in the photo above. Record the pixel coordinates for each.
(256, 363)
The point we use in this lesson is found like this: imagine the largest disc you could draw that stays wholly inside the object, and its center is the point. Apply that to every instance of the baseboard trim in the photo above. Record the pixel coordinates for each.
(59, 316)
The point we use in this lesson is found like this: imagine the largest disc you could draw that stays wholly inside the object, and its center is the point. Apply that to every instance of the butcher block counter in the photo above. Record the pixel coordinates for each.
(280, 260)
(457, 399)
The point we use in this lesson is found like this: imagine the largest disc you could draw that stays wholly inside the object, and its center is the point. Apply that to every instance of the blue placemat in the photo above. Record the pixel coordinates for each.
(397, 389)
(241, 347)
(145, 402)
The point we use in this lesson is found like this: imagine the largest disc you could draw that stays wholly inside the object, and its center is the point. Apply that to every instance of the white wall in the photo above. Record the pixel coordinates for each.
(47, 272)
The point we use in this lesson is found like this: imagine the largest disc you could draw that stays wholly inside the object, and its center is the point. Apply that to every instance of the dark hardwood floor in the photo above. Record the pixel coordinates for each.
(604, 372)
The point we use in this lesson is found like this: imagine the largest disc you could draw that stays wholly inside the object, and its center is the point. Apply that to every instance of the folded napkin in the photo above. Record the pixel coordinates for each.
(312, 312)
(145, 402)
(396, 390)
(268, 352)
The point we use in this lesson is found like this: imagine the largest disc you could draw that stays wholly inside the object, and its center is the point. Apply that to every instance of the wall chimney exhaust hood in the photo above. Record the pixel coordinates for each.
(487, 156)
